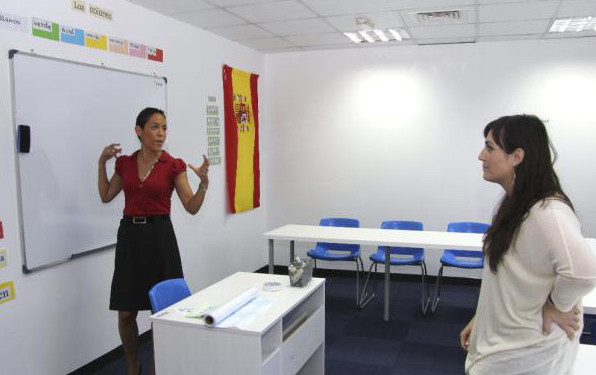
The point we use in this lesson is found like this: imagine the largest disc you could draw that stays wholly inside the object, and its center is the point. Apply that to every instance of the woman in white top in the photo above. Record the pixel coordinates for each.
(539, 264)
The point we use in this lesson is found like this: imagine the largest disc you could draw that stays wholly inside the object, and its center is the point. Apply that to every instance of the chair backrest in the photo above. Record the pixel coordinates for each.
(467, 227)
(339, 222)
(402, 225)
(167, 293)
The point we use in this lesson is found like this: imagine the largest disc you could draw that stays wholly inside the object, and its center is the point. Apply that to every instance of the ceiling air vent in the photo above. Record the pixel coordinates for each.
(438, 17)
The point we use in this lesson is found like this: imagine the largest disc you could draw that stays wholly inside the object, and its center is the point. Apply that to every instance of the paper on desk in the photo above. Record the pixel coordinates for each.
(219, 314)
(246, 314)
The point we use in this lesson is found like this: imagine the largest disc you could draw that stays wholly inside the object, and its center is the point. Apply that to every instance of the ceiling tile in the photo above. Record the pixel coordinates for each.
(383, 20)
(298, 27)
(345, 7)
(447, 41)
(319, 39)
(210, 18)
(228, 3)
(446, 31)
(501, 38)
(533, 10)
(173, 6)
(577, 8)
(242, 32)
(270, 12)
(268, 43)
(513, 28)
(500, 1)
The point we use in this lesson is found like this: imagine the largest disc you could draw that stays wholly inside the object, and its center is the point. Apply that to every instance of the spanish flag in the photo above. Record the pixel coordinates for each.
(241, 108)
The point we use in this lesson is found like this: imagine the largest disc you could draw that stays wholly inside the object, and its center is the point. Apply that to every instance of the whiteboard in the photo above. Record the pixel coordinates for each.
(74, 110)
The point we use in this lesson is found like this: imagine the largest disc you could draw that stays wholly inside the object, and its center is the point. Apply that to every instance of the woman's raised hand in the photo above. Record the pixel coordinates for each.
(109, 152)
(202, 171)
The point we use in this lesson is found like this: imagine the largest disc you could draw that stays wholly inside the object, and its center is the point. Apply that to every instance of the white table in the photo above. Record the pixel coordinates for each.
(375, 237)
(585, 363)
(287, 338)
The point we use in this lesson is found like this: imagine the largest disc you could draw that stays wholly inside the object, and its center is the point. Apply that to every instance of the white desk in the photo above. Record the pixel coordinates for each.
(585, 363)
(372, 236)
(589, 303)
(288, 338)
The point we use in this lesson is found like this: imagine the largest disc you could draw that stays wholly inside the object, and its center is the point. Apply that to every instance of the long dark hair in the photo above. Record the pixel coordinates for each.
(535, 180)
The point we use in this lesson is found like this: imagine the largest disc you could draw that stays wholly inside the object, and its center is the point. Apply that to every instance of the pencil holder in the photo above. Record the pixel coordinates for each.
(300, 271)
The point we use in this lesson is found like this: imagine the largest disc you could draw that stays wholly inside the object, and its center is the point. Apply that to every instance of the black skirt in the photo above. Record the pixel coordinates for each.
(145, 255)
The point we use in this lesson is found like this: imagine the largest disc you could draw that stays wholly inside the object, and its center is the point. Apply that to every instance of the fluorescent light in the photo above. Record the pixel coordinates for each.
(366, 36)
(576, 24)
(395, 34)
(377, 35)
(353, 37)
(381, 35)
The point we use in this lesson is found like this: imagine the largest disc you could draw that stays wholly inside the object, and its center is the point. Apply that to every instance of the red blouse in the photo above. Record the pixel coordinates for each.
(153, 196)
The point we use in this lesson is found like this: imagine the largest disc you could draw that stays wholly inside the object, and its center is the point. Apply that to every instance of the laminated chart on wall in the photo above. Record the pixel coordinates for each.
(45, 29)
(3, 258)
(241, 111)
(213, 131)
(72, 35)
(13, 22)
(6, 292)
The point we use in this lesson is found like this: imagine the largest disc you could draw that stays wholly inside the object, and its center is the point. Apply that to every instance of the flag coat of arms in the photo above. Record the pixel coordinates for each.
(241, 111)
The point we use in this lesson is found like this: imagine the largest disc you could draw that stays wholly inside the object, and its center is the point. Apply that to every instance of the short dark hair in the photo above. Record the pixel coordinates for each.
(535, 179)
(146, 113)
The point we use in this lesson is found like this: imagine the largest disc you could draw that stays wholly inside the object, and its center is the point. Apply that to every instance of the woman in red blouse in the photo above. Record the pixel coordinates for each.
(146, 249)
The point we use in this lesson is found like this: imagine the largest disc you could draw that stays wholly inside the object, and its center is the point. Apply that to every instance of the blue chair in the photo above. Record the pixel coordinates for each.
(468, 259)
(167, 292)
(339, 251)
(400, 256)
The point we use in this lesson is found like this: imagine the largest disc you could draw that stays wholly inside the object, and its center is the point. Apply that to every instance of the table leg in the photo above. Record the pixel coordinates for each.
(291, 251)
(270, 255)
(387, 283)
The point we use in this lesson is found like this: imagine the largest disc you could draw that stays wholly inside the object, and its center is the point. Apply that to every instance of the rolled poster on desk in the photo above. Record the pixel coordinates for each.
(218, 315)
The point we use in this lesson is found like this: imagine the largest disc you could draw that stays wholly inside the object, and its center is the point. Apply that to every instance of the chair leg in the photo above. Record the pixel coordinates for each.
(359, 266)
(365, 297)
(437, 293)
(425, 289)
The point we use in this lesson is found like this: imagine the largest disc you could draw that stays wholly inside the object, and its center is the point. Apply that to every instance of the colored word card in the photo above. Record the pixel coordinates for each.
(6, 292)
(72, 35)
(45, 29)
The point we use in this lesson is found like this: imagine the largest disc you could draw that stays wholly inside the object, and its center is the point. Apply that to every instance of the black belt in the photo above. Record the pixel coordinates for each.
(145, 219)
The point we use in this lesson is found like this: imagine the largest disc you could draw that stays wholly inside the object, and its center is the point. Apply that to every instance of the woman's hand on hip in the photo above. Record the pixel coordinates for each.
(464, 336)
(568, 321)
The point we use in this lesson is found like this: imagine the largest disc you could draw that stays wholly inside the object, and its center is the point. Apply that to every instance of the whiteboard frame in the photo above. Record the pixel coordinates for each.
(11, 54)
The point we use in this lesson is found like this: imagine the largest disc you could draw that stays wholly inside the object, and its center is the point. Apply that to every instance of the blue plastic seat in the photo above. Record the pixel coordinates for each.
(400, 256)
(339, 251)
(168, 292)
(468, 259)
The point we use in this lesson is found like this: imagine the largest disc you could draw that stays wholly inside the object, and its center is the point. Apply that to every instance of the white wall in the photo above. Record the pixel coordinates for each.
(394, 133)
(60, 320)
